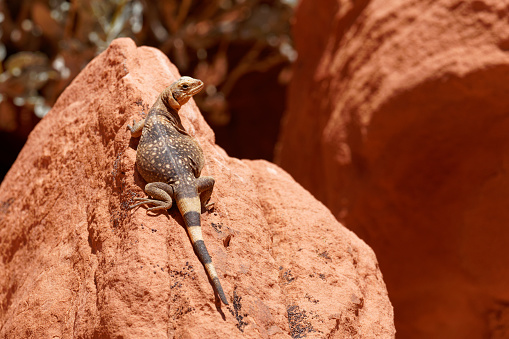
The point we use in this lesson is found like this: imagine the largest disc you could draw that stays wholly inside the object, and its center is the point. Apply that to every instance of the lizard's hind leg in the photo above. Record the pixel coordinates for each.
(162, 196)
(205, 185)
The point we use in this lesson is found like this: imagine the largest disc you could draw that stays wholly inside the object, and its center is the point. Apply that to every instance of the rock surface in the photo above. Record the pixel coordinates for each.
(398, 121)
(76, 263)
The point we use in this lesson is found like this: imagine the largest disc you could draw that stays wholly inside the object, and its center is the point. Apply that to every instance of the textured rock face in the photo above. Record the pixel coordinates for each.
(76, 263)
(398, 121)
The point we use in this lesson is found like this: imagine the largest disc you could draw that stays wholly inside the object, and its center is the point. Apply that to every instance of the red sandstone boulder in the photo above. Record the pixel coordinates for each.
(76, 263)
(398, 121)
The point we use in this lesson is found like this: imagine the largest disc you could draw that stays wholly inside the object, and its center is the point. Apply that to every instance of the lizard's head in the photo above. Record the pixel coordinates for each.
(181, 91)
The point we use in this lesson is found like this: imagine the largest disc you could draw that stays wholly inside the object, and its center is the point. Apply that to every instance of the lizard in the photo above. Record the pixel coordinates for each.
(171, 161)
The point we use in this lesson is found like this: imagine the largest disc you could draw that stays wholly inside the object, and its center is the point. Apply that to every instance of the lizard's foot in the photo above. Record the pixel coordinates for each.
(209, 205)
(136, 128)
(205, 186)
(159, 205)
(132, 127)
(161, 196)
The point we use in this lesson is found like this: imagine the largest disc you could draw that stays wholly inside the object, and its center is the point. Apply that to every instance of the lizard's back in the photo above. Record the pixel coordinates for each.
(166, 154)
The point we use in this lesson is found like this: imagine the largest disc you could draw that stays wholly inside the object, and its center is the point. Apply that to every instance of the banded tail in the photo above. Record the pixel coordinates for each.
(190, 208)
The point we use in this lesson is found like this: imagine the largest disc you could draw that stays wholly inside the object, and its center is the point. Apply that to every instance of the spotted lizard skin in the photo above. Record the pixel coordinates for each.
(170, 160)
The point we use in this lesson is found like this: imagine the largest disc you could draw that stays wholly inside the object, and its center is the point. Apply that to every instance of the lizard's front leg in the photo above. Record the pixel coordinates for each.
(161, 193)
(136, 128)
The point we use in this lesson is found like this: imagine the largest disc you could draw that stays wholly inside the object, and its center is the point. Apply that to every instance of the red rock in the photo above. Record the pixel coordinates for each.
(397, 121)
(77, 263)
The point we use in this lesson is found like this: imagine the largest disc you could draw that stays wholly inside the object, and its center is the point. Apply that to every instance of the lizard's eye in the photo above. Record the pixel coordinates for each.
(185, 86)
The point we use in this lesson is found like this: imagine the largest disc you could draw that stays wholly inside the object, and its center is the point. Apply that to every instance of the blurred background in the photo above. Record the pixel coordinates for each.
(237, 47)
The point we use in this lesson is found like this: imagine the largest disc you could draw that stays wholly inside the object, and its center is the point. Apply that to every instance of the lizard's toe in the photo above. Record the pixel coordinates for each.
(209, 205)
(141, 201)
(159, 208)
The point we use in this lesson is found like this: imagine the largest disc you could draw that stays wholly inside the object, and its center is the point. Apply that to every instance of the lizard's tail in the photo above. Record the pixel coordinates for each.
(190, 208)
